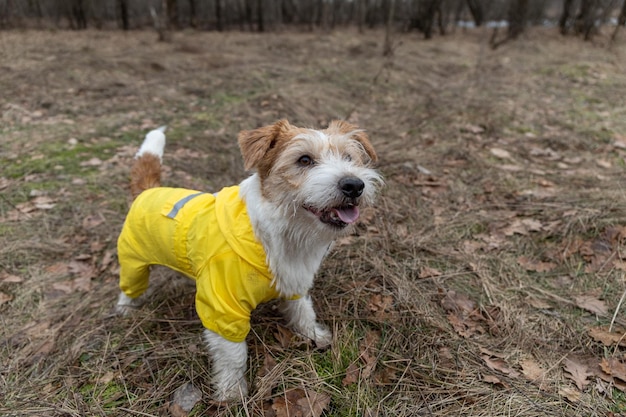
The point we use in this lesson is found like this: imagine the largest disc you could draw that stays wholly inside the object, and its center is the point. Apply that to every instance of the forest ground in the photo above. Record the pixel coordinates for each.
(487, 281)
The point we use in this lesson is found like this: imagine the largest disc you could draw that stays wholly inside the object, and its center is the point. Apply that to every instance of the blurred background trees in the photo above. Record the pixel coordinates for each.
(429, 17)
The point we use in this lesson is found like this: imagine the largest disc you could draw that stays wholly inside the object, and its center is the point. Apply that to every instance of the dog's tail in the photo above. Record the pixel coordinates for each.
(146, 170)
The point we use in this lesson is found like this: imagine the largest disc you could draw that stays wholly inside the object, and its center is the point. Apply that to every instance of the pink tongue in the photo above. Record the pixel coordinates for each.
(348, 214)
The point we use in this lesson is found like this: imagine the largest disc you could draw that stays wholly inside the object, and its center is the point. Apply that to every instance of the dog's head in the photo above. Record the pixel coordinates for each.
(318, 177)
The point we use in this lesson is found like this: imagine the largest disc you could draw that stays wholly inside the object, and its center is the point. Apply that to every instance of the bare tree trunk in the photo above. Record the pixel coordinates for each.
(122, 6)
(36, 6)
(159, 22)
(585, 20)
(172, 13)
(388, 47)
(565, 16)
(249, 19)
(518, 13)
(476, 9)
(218, 15)
(193, 14)
(261, 17)
(621, 21)
(360, 14)
(5, 14)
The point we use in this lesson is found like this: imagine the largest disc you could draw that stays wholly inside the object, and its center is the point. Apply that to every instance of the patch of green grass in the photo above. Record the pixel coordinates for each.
(109, 396)
(619, 401)
(53, 155)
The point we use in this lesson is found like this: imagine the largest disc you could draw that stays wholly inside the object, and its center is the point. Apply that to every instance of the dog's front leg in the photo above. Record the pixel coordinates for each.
(229, 367)
(301, 318)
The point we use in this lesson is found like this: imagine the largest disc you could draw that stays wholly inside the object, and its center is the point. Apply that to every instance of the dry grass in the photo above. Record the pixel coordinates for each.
(458, 214)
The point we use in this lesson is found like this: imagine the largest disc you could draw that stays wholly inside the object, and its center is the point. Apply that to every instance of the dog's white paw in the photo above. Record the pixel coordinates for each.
(322, 336)
(230, 390)
(126, 305)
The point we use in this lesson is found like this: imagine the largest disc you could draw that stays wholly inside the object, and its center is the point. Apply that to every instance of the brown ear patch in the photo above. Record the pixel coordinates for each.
(260, 147)
(255, 144)
(345, 128)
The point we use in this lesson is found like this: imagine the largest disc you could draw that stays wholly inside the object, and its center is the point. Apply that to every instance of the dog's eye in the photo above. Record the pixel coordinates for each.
(305, 161)
(347, 157)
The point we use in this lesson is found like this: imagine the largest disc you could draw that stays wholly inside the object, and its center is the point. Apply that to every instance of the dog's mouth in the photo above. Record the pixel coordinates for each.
(338, 217)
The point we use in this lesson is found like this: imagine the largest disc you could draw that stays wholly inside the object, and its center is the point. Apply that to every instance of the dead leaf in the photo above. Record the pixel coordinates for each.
(352, 375)
(368, 356)
(600, 334)
(106, 378)
(497, 364)
(592, 304)
(532, 370)
(93, 162)
(492, 379)
(538, 303)
(428, 272)
(577, 372)
(380, 304)
(59, 268)
(454, 301)
(106, 260)
(269, 363)
(537, 266)
(93, 220)
(475, 129)
(5, 298)
(570, 393)
(43, 202)
(4, 183)
(300, 403)
(284, 336)
(6, 277)
(614, 367)
(523, 227)
(500, 153)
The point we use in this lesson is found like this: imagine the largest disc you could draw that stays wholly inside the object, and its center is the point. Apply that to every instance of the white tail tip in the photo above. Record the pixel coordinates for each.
(154, 143)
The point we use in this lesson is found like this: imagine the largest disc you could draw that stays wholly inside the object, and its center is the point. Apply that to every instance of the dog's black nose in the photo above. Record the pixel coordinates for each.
(351, 187)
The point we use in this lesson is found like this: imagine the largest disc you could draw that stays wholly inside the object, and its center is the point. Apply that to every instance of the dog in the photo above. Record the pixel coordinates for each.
(260, 240)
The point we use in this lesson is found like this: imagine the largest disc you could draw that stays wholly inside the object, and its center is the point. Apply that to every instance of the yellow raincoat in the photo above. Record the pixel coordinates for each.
(208, 238)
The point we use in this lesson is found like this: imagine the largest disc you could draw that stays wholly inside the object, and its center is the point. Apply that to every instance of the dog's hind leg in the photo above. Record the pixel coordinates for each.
(301, 318)
(229, 361)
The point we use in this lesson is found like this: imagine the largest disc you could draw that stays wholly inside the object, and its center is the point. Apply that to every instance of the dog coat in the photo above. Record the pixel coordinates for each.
(206, 237)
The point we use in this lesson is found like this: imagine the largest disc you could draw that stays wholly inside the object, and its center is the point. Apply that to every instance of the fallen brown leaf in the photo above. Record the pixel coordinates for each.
(492, 379)
(592, 304)
(577, 372)
(600, 334)
(5, 298)
(284, 336)
(497, 364)
(6, 277)
(454, 301)
(428, 272)
(614, 367)
(570, 393)
(352, 375)
(299, 403)
(537, 266)
(532, 370)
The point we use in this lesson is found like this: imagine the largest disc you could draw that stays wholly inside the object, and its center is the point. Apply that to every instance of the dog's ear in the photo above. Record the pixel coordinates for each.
(345, 128)
(255, 144)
